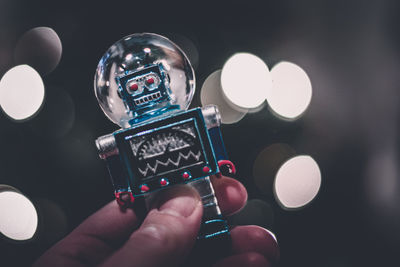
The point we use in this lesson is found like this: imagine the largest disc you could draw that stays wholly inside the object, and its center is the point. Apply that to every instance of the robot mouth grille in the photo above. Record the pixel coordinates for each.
(147, 98)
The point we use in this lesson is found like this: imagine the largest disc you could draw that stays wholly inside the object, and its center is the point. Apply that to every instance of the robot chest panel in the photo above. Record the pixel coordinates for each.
(168, 151)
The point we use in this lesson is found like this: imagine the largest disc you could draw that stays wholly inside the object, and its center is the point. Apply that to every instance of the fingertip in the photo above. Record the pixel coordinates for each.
(231, 194)
(253, 238)
(253, 259)
(180, 200)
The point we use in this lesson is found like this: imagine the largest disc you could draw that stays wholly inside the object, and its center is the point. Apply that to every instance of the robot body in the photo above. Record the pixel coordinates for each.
(175, 149)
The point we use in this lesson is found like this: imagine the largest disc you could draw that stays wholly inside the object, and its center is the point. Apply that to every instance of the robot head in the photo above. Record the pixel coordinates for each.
(143, 76)
(145, 89)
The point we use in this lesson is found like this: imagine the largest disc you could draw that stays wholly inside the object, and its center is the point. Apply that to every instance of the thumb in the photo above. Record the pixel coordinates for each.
(168, 232)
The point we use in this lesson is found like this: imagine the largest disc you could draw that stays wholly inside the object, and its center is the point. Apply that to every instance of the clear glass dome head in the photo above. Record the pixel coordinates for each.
(142, 76)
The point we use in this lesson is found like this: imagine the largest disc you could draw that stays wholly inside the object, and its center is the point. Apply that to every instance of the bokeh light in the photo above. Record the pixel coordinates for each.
(211, 94)
(297, 182)
(291, 90)
(267, 165)
(382, 191)
(78, 149)
(21, 92)
(40, 48)
(57, 116)
(256, 212)
(382, 184)
(19, 219)
(187, 45)
(54, 223)
(245, 80)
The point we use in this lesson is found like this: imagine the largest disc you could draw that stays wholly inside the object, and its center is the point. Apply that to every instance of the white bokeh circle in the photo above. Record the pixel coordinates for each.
(297, 182)
(291, 90)
(19, 219)
(40, 48)
(245, 80)
(211, 94)
(21, 92)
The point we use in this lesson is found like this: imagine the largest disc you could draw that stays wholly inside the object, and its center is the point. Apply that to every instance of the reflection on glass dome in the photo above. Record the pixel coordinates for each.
(143, 76)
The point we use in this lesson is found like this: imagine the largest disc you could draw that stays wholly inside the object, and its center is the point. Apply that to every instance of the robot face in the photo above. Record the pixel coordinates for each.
(144, 88)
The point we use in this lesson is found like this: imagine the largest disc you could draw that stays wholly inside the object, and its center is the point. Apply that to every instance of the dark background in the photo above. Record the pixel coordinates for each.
(350, 50)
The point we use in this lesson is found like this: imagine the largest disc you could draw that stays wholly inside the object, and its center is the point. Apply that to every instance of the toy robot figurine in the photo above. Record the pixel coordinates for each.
(145, 83)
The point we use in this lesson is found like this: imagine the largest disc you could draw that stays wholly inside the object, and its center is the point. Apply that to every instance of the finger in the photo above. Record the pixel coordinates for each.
(231, 194)
(246, 259)
(167, 234)
(94, 239)
(251, 238)
(111, 223)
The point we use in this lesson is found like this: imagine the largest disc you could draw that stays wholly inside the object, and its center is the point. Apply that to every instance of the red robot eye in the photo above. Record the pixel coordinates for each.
(150, 81)
(134, 86)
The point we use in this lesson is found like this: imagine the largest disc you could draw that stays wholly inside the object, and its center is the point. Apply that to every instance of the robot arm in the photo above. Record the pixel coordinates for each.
(108, 151)
(212, 119)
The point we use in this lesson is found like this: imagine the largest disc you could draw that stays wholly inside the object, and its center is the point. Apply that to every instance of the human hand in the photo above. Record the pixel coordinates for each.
(115, 237)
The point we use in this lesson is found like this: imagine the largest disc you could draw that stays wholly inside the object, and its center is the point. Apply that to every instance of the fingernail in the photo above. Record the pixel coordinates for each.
(180, 200)
(272, 234)
(276, 252)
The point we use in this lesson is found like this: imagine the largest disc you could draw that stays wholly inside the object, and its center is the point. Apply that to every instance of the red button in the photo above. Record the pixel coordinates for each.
(150, 80)
(163, 182)
(144, 188)
(134, 87)
(185, 175)
(206, 169)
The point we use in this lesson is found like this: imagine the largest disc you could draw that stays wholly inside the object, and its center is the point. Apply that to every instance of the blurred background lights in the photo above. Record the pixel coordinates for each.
(267, 165)
(57, 116)
(297, 182)
(382, 184)
(256, 212)
(188, 47)
(245, 80)
(40, 48)
(382, 192)
(19, 219)
(291, 90)
(211, 94)
(54, 222)
(21, 92)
